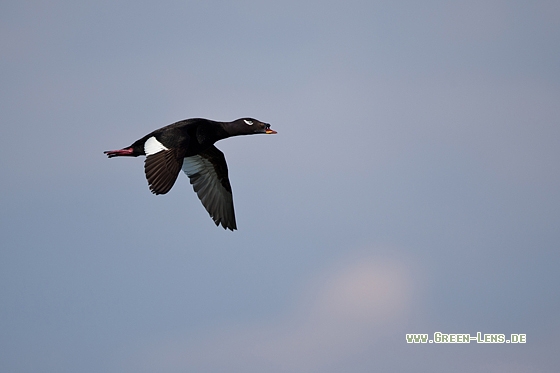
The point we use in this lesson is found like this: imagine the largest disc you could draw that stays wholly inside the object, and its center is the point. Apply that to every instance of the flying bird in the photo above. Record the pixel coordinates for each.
(189, 145)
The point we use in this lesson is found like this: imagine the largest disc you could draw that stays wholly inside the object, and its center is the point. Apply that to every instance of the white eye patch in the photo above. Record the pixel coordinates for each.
(249, 122)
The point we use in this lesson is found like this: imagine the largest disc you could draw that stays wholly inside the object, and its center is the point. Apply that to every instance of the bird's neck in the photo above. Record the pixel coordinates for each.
(208, 135)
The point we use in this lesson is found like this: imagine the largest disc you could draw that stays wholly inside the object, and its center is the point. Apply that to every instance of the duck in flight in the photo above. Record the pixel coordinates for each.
(189, 145)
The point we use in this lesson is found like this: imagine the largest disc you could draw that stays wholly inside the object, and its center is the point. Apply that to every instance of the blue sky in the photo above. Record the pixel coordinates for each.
(412, 186)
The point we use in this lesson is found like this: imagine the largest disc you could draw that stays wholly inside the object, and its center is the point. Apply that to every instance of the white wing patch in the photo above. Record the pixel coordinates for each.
(152, 146)
(249, 122)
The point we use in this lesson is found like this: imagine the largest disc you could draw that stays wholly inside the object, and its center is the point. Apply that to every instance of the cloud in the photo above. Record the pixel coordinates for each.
(340, 314)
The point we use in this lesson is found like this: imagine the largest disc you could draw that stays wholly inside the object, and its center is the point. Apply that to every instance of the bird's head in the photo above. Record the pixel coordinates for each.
(248, 126)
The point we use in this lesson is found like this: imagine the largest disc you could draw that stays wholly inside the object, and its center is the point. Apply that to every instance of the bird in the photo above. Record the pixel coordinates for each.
(189, 145)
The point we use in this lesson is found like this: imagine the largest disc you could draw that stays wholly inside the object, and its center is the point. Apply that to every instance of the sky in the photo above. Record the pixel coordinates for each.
(412, 186)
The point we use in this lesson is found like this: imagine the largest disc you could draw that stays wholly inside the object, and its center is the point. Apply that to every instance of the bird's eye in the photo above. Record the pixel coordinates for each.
(249, 122)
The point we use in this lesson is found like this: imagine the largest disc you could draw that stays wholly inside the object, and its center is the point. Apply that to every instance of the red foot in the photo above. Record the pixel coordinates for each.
(119, 153)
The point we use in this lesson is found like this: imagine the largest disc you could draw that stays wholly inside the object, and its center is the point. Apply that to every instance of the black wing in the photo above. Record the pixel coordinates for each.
(162, 169)
(208, 174)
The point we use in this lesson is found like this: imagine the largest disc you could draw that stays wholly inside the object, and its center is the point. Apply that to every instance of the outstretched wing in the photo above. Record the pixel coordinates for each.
(208, 175)
(162, 166)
